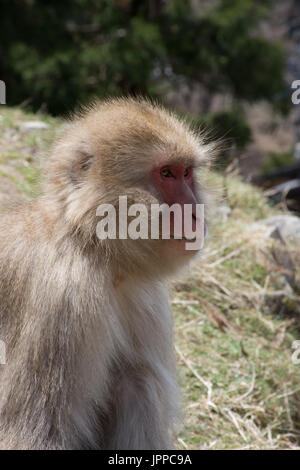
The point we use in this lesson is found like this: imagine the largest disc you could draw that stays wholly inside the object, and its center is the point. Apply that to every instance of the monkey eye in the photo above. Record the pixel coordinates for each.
(166, 173)
(187, 172)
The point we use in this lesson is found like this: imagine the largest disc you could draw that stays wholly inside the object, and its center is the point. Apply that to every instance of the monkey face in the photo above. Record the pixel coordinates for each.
(176, 184)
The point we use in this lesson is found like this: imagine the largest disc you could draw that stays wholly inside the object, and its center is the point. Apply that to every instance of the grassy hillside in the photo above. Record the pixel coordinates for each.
(236, 316)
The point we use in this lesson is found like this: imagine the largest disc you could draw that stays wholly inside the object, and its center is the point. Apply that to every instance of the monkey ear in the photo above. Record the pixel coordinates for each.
(80, 164)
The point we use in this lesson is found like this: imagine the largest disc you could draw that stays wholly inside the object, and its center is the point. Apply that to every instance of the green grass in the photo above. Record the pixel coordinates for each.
(234, 337)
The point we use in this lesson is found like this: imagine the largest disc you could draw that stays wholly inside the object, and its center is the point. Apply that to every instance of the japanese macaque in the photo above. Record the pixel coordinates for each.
(86, 321)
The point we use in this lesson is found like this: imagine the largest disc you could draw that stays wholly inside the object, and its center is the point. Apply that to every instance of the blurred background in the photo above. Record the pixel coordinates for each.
(229, 64)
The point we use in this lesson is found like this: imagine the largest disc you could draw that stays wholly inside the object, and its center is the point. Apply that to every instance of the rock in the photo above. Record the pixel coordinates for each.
(284, 263)
(288, 226)
(34, 125)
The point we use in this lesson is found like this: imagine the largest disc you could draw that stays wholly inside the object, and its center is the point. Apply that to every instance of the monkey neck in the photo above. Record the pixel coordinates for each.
(122, 259)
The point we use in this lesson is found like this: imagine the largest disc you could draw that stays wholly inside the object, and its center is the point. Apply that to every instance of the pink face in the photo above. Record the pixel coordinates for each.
(176, 185)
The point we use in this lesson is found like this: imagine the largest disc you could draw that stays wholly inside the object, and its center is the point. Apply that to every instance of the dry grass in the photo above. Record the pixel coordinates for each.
(21, 151)
(241, 389)
(235, 315)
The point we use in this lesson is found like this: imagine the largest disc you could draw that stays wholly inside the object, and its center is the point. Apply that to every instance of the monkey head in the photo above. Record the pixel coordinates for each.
(133, 148)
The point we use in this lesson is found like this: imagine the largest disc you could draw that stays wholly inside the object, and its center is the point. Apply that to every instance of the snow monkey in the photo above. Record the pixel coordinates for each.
(86, 321)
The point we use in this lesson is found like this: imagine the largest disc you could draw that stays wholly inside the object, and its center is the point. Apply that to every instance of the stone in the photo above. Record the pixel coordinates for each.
(288, 226)
(34, 125)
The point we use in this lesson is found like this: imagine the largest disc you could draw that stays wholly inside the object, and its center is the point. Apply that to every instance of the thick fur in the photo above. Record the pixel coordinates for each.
(87, 323)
